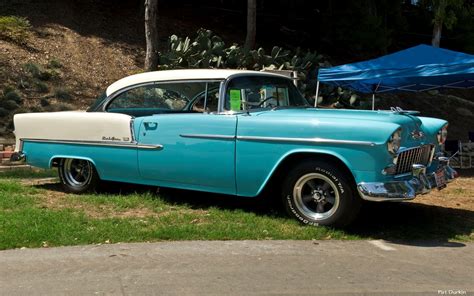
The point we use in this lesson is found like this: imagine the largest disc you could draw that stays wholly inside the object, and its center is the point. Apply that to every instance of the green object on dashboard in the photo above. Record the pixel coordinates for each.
(235, 100)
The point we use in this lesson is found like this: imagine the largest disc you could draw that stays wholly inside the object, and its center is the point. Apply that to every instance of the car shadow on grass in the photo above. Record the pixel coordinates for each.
(407, 223)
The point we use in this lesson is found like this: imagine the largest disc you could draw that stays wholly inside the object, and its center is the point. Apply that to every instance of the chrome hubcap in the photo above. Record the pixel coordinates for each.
(77, 172)
(316, 196)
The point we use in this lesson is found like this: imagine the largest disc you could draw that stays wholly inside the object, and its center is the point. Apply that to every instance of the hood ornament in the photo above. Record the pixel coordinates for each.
(417, 134)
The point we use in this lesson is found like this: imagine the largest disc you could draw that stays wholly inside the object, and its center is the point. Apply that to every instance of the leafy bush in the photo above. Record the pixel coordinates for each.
(44, 103)
(14, 28)
(39, 72)
(13, 95)
(4, 112)
(9, 104)
(41, 87)
(33, 69)
(63, 94)
(208, 50)
(55, 64)
(8, 89)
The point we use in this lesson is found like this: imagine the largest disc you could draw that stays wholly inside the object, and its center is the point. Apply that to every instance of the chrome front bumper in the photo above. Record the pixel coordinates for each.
(420, 183)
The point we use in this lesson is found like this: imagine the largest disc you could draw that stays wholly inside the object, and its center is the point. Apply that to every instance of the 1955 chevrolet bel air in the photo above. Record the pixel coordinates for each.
(239, 132)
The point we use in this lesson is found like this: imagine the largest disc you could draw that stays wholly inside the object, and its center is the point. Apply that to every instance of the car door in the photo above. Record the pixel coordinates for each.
(198, 145)
(198, 151)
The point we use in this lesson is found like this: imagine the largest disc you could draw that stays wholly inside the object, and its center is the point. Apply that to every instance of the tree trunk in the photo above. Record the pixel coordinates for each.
(251, 24)
(151, 34)
(437, 28)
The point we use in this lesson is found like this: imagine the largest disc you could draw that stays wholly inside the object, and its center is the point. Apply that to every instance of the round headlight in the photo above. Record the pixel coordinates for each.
(394, 142)
(443, 134)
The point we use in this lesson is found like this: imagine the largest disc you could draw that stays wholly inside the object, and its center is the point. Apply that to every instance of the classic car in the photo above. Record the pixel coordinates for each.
(239, 132)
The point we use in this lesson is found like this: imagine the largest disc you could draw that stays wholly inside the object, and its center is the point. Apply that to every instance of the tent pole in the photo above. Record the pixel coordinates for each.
(317, 93)
(373, 101)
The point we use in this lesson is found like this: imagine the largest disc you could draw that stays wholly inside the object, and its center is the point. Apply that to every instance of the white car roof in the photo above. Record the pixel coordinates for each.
(170, 75)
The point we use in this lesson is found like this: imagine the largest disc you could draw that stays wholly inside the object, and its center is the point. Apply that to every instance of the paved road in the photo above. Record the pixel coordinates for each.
(241, 268)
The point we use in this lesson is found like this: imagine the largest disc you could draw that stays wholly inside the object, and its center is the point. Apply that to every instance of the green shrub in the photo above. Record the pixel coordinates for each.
(13, 95)
(9, 105)
(39, 72)
(33, 68)
(24, 84)
(45, 75)
(14, 28)
(55, 64)
(44, 103)
(62, 94)
(8, 89)
(4, 112)
(41, 87)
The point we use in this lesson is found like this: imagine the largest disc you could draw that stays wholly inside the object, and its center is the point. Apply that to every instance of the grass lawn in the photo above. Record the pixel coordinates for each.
(44, 216)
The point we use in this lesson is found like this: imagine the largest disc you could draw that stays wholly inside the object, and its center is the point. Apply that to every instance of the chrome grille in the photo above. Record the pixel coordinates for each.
(407, 158)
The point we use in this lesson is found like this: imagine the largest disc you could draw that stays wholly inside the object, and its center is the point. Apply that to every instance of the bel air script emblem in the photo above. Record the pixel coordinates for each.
(416, 134)
(110, 139)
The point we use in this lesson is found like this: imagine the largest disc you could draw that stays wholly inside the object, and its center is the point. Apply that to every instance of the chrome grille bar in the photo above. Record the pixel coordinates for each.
(417, 155)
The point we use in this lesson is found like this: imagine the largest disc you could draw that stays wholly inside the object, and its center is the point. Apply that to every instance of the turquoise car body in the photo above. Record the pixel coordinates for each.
(238, 153)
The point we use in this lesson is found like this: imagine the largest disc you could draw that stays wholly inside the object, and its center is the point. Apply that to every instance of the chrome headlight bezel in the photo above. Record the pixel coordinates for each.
(442, 134)
(394, 142)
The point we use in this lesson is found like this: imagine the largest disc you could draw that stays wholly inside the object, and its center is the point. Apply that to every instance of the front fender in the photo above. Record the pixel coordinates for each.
(316, 152)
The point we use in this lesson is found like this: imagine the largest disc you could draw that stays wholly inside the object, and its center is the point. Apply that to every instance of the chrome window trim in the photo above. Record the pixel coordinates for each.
(99, 143)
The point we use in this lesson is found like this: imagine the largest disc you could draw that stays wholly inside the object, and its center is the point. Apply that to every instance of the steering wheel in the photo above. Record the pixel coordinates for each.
(269, 98)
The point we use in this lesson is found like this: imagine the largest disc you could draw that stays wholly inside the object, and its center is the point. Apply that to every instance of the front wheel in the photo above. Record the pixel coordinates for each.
(78, 175)
(317, 193)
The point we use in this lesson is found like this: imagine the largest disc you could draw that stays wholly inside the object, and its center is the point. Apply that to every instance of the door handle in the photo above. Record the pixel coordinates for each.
(150, 126)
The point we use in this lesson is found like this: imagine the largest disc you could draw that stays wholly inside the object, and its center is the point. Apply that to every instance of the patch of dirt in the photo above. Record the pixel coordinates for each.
(55, 199)
(458, 195)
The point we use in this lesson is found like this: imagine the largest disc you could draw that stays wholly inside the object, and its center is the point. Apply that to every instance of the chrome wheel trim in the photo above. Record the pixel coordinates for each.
(77, 172)
(316, 196)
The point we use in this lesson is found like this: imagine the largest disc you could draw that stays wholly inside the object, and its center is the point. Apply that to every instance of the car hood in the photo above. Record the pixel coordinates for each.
(344, 114)
(408, 121)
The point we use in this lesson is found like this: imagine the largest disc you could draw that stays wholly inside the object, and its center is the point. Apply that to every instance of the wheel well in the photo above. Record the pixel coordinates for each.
(296, 158)
(55, 162)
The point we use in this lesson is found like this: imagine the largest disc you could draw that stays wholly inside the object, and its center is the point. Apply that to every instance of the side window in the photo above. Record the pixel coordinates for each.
(156, 97)
(209, 103)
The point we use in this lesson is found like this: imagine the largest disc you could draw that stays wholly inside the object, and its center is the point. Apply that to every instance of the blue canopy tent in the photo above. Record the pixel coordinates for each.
(418, 68)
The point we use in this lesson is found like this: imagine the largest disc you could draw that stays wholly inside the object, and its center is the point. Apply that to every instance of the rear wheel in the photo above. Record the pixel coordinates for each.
(78, 175)
(317, 193)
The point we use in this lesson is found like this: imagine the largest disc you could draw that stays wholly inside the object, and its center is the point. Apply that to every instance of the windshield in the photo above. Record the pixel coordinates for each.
(257, 92)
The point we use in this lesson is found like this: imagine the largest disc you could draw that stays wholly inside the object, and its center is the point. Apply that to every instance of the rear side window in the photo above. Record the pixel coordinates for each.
(166, 97)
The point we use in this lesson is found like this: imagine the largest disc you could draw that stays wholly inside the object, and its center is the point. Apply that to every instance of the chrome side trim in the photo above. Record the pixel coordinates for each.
(208, 136)
(278, 139)
(304, 140)
(99, 143)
